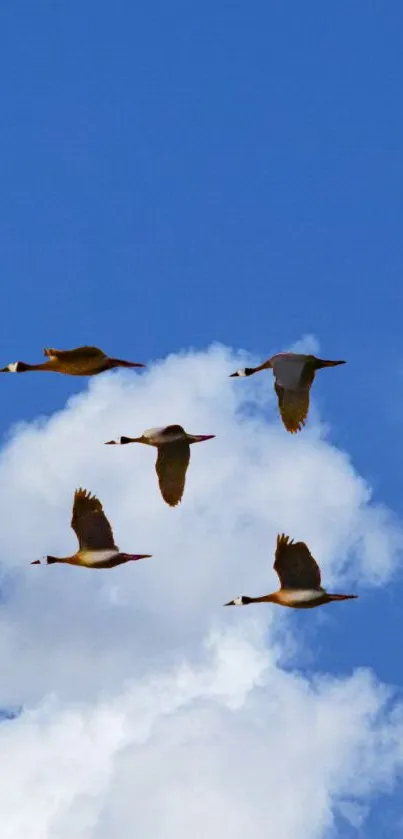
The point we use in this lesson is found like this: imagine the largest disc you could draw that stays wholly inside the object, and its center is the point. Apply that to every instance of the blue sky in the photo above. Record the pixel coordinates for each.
(175, 175)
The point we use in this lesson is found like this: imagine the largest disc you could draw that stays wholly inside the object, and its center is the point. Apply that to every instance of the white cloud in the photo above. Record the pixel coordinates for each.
(134, 720)
(231, 745)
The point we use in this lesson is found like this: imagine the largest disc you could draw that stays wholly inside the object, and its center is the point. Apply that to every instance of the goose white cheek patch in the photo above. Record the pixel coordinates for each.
(13, 367)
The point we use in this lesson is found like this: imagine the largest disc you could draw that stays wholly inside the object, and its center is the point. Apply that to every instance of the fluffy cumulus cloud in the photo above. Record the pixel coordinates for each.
(148, 709)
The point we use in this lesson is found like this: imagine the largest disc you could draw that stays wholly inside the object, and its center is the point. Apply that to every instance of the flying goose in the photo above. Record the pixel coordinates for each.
(97, 547)
(173, 444)
(299, 576)
(293, 374)
(83, 361)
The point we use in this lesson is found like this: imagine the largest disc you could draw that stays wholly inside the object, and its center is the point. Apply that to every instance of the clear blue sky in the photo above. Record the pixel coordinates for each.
(174, 174)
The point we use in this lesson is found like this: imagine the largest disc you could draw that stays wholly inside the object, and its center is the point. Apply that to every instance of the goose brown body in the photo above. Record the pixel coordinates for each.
(173, 445)
(300, 579)
(82, 361)
(294, 374)
(97, 547)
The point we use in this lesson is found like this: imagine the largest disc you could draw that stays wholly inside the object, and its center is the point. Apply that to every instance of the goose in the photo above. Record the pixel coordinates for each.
(293, 377)
(173, 444)
(300, 579)
(82, 361)
(97, 547)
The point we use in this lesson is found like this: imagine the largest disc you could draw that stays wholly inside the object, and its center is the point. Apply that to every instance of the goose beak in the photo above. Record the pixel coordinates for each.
(36, 562)
(231, 603)
(123, 440)
(199, 438)
(5, 370)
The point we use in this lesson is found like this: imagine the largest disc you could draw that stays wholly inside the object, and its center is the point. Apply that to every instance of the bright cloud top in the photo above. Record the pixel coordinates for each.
(137, 720)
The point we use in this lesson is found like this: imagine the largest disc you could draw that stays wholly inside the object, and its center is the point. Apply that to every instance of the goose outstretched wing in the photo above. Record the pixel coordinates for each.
(90, 524)
(295, 565)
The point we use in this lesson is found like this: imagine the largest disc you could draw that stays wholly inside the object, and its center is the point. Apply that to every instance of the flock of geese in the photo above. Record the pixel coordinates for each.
(298, 572)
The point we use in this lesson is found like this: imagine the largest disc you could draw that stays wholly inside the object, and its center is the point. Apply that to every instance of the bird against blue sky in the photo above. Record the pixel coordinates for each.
(178, 180)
